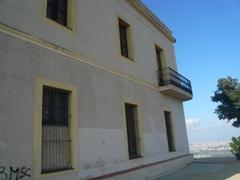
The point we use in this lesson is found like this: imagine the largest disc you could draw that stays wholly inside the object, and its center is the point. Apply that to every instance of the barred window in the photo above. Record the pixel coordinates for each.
(169, 129)
(57, 11)
(132, 131)
(56, 140)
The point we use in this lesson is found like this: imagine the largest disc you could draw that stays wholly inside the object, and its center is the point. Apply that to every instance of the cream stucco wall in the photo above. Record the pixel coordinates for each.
(95, 36)
(102, 143)
(87, 58)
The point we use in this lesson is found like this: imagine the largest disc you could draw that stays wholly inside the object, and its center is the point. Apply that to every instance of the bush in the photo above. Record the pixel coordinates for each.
(235, 145)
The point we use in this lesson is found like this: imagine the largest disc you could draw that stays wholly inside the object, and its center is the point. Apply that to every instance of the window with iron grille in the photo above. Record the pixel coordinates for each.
(123, 32)
(56, 140)
(169, 130)
(132, 131)
(57, 11)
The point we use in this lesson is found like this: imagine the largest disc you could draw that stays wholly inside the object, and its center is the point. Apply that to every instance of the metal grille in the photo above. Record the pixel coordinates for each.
(132, 131)
(170, 137)
(55, 130)
(170, 76)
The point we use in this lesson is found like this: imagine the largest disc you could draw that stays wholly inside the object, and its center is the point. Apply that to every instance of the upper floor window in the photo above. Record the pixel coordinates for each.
(124, 37)
(159, 56)
(57, 11)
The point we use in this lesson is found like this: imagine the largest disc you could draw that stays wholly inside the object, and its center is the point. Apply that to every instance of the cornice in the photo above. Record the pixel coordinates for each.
(143, 9)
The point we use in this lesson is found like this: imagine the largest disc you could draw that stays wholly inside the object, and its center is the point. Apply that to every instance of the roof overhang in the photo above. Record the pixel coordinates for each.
(143, 9)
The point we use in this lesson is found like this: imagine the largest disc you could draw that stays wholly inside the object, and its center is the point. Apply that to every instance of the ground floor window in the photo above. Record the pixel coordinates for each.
(56, 141)
(55, 128)
(169, 131)
(133, 135)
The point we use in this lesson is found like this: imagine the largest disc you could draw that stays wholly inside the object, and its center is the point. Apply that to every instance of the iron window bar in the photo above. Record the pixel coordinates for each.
(168, 76)
(56, 141)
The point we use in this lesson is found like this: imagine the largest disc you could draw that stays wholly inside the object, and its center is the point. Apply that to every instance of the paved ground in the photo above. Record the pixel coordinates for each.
(209, 168)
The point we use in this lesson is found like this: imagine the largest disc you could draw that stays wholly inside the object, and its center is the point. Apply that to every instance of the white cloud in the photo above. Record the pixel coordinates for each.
(195, 124)
(192, 122)
(211, 130)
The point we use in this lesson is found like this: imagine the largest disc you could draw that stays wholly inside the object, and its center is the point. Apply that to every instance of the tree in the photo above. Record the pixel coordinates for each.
(228, 97)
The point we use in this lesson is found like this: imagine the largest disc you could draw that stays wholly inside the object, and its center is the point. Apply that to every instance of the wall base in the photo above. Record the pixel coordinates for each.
(150, 171)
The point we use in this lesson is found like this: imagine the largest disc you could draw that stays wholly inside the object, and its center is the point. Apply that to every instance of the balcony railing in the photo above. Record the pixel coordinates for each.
(168, 76)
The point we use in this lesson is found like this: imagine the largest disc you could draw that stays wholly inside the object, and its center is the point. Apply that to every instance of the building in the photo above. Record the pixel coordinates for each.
(89, 89)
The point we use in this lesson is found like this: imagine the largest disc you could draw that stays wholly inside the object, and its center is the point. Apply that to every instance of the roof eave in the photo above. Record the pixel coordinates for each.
(153, 19)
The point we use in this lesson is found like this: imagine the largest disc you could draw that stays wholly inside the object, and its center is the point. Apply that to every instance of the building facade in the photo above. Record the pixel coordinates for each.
(89, 90)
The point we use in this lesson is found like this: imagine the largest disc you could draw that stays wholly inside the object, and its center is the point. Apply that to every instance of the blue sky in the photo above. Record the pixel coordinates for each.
(207, 48)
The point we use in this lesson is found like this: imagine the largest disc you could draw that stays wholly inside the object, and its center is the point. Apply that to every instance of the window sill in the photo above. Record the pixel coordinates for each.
(136, 158)
(128, 59)
(58, 25)
(57, 173)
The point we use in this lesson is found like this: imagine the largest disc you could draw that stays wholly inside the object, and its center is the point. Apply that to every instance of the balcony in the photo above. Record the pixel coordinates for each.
(174, 84)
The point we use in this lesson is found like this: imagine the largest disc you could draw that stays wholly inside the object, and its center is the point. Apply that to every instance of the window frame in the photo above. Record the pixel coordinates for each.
(55, 10)
(73, 126)
(123, 36)
(139, 126)
(121, 21)
(71, 16)
(55, 126)
(173, 149)
(162, 63)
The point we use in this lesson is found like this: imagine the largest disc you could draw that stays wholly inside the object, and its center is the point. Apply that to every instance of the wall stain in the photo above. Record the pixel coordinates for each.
(99, 163)
(87, 166)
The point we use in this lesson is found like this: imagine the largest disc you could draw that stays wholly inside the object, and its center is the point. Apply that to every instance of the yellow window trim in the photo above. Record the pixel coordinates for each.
(163, 55)
(173, 128)
(71, 16)
(140, 128)
(37, 146)
(129, 39)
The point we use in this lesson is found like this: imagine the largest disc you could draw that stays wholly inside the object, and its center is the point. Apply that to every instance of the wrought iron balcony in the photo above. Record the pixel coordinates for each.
(173, 83)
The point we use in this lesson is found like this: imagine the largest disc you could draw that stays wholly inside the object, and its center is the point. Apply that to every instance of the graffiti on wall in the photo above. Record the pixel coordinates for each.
(11, 173)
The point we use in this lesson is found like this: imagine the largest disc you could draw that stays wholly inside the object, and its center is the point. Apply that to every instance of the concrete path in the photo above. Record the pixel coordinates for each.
(209, 168)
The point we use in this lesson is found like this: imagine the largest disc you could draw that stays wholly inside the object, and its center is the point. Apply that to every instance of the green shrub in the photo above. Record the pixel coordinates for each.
(235, 145)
